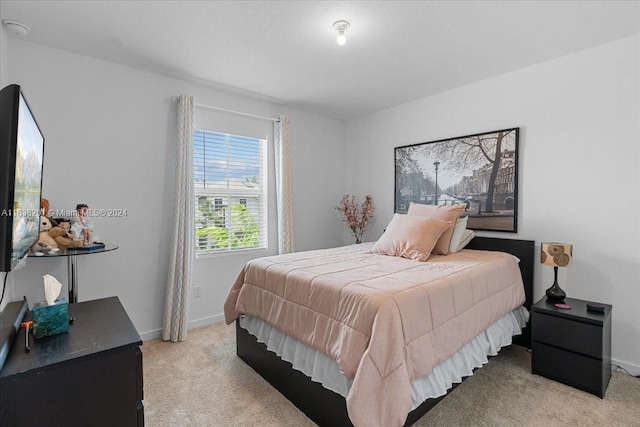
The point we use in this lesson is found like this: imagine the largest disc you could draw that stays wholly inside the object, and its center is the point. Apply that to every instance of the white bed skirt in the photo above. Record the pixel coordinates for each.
(321, 368)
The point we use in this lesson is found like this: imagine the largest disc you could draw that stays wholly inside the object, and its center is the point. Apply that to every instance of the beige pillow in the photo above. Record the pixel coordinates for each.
(466, 238)
(444, 213)
(411, 237)
(458, 233)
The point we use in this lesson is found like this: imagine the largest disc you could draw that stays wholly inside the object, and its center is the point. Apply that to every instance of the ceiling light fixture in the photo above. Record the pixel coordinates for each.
(15, 28)
(340, 27)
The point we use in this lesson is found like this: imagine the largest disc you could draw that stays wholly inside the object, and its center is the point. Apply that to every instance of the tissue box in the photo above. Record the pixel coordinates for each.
(50, 319)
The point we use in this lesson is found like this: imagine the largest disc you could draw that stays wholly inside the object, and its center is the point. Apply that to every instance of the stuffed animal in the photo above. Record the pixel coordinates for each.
(66, 224)
(41, 248)
(63, 239)
(44, 207)
(45, 238)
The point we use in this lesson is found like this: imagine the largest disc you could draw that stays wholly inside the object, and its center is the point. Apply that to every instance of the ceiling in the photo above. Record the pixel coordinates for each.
(286, 52)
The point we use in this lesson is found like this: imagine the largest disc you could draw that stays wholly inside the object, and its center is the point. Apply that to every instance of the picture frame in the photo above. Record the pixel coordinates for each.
(463, 169)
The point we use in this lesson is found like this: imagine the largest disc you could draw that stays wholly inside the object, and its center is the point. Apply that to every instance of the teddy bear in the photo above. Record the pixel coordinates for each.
(39, 248)
(45, 238)
(44, 207)
(63, 239)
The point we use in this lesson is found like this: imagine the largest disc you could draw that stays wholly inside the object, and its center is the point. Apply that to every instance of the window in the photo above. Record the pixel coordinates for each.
(231, 192)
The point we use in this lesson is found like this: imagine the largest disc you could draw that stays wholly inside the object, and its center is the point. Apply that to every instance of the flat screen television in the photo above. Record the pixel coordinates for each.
(21, 155)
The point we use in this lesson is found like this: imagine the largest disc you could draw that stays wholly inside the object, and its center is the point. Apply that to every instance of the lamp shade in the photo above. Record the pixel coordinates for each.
(556, 254)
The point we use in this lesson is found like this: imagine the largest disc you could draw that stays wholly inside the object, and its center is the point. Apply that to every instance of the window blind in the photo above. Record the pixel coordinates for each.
(231, 192)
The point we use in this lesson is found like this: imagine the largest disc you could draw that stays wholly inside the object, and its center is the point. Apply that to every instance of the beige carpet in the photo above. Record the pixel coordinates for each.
(201, 382)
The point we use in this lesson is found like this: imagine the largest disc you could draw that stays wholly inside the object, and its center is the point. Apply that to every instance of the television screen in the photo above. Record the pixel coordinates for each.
(22, 147)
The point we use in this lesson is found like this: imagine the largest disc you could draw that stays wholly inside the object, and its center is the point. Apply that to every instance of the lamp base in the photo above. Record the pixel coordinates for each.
(555, 293)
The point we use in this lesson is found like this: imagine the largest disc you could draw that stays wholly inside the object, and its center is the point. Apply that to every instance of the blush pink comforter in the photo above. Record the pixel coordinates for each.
(385, 320)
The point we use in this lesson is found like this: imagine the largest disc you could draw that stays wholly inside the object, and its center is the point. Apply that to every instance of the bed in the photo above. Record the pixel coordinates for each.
(329, 407)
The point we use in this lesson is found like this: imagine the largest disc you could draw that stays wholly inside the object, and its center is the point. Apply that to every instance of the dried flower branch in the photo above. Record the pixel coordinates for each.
(357, 218)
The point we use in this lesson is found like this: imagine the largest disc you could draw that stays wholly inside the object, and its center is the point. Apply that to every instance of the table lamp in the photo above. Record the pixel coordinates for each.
(556, 255)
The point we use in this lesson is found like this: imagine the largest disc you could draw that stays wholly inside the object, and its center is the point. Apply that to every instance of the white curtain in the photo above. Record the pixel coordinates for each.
(183, 242)
(283, 186)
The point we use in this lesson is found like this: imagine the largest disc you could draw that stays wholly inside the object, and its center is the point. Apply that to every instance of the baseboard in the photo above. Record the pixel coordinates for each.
(198, 323)
(629, 367)
(206, 321)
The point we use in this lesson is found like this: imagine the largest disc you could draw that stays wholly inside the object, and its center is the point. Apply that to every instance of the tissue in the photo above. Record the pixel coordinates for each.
(52, 288)
(50, 317)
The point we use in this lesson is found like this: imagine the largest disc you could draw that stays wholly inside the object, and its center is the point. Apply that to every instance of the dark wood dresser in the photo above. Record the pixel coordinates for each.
(90, 376)
(572, 346)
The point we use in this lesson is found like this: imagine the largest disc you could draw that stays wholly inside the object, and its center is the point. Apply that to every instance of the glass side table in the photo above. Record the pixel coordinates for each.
(72, 264)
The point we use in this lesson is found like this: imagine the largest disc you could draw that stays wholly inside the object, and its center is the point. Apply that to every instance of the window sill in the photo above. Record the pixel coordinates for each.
(231, 253)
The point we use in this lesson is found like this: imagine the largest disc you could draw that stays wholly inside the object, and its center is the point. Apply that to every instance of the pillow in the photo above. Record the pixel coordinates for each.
(445, 213)
(411, 237)
(458, 233)
(466, 238)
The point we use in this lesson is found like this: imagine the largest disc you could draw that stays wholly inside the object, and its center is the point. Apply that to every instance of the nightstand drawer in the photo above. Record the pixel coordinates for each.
(569, 368)
(567, 334)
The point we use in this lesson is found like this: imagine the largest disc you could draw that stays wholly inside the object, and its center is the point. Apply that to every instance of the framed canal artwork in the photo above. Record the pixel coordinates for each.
(480, 171)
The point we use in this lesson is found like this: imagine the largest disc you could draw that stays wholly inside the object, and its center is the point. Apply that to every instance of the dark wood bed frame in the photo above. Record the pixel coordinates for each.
(327, 408)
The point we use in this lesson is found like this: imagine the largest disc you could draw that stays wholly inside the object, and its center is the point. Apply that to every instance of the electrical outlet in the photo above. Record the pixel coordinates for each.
(197, 291)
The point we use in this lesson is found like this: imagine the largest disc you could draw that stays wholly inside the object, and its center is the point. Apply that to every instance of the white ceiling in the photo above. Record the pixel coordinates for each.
(396, 51)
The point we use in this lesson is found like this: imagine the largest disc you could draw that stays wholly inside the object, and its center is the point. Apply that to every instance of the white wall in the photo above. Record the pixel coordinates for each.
(109, 142)
(579, 166)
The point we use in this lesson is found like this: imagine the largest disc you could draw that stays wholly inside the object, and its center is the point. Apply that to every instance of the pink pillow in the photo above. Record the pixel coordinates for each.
(410, 237)
(445, 213)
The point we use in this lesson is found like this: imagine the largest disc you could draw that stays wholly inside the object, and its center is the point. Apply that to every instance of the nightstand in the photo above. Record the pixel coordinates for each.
(572, 346)
(89, 376)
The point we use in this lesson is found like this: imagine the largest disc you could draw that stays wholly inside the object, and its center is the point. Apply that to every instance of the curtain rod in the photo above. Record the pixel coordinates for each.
(236, 112)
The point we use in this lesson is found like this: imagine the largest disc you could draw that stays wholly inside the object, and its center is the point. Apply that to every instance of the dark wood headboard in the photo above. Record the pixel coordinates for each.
(525, 251)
